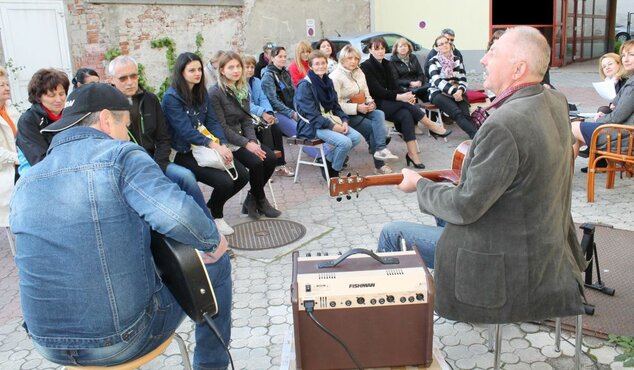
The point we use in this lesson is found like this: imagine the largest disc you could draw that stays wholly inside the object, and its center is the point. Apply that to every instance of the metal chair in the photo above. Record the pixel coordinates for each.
(315, 143)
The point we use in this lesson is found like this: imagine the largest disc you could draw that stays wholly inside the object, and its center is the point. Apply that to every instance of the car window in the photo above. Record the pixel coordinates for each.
(391, 40)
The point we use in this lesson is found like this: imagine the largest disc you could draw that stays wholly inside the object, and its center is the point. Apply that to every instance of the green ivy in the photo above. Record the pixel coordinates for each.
(170, 55)
(627, 343)
(112, 53)
(199, 42)
(617, 47)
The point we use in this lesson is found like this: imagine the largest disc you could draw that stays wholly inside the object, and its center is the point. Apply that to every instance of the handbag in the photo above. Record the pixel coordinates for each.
(358, 98)
(333, 118)
(207, 157)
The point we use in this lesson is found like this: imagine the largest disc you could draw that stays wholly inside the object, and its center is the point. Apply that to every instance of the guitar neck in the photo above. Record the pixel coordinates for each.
(396, 178)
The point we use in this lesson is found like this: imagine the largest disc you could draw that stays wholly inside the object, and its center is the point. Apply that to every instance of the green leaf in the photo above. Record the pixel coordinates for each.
(622, 357)
(629, 363)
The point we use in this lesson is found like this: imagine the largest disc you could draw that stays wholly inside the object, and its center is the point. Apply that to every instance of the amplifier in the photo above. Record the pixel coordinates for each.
(380, 305)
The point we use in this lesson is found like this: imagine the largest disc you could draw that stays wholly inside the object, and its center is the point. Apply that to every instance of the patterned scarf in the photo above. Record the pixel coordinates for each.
(240, 94)
(447, 64)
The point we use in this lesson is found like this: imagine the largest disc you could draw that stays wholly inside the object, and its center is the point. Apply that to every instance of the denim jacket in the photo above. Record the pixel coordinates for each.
(183, 120)
(82, 219)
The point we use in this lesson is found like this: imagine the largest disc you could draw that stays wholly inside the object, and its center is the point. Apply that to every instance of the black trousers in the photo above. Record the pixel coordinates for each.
(458, 111)
(404, 115)
(224, 186)
(260, 171)
(272, 138)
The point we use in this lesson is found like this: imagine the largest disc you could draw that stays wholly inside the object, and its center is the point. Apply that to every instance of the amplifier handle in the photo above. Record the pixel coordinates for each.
(382, 260)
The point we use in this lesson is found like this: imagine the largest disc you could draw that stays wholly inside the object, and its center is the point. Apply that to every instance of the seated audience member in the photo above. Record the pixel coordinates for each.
(321, 115)
(299, 66)
(448, 85)
(496, 36)
(84, 76)
(264, 59)
(211, 69)
(399, 107)
(230, 101)
(409, 74)
(278, 87)
(47, 95)
(355, 100)
(8, 151)
(187, 107)
(451, 37)
(148, 127)
(261, 107)
(330, 51)
(89, 289)
(509, 251)
(611, 70)
(623, 111)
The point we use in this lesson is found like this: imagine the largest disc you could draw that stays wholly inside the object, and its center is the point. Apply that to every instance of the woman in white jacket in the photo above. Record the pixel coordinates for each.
(355, 100)
(8, 152)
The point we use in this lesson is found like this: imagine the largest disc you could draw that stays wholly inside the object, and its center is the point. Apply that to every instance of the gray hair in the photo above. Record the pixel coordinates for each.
(93, 118)
(448, 31)
(121, 59)
(532, 47)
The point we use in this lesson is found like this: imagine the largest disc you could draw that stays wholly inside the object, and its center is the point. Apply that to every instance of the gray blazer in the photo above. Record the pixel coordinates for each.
(509, 251)
(623, 112)
(236, 123)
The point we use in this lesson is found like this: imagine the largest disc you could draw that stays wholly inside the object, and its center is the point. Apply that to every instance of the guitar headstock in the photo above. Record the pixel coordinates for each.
(346, 186)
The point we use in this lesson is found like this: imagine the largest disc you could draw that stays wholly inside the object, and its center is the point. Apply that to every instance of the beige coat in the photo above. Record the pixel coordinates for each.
(348, 84)
(509, 252)
(8, 160)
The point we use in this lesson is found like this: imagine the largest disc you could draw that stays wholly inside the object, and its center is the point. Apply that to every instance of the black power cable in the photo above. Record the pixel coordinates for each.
(214, 328)
(310, 309)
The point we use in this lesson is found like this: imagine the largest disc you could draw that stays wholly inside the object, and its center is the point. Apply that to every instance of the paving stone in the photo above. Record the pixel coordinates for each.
(259, 363)
(478, 349)
(258, 331)
(540, 339)
(32, 364)
(470, 337)
(527, 327)
(509, 358)
(605, 354)
(541, 366)
(259, 341)
(258, 352)
(550, 351)
(457, 352)
(465, 363)
(519, 343)
(450, 340)
(530, 355)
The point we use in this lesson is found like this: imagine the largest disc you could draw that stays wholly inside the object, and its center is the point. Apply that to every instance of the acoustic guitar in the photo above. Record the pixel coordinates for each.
(183, 272)
(346, 186)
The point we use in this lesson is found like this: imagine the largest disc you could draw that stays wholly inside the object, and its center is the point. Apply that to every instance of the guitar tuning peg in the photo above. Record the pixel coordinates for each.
(348, 197)
(357, 195)
(349, 174)
(338, 199)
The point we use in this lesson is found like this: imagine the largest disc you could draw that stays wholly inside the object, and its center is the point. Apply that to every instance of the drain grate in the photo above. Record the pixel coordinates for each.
(265, 234)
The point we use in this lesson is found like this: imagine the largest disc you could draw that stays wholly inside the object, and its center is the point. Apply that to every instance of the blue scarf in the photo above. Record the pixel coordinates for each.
(325, 90)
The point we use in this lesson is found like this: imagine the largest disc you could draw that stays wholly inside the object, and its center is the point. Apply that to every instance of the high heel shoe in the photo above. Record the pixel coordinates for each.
(436, 136)
(409, 161)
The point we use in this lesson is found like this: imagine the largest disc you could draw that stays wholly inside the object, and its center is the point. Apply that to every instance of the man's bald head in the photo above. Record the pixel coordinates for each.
(531, 47)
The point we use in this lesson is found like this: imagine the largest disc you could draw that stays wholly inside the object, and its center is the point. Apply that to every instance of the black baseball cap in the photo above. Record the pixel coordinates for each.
(87, 99)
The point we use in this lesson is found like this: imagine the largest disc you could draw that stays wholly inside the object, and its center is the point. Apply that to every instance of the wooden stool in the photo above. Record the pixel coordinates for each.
(429, 109)
(145, 358)
(316, 143)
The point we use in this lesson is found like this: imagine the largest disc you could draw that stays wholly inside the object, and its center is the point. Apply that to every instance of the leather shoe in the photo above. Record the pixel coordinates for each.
(267, 209)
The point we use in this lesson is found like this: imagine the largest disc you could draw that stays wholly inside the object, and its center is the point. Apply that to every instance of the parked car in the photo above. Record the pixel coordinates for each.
(361, 43)
(624, 33)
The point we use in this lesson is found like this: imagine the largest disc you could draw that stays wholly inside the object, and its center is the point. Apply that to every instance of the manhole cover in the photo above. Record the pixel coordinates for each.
(265, 234)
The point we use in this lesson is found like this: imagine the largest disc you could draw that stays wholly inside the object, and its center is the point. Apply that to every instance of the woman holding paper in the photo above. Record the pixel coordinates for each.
(623, 112)
(612, 72)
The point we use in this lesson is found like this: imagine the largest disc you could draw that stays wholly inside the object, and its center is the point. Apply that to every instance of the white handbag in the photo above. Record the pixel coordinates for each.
(207, 157)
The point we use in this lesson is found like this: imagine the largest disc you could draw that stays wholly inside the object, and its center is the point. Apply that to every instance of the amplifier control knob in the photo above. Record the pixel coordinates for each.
(372, 301)
(403, 299)
(381, 300)
(411, 299)
(348, 303)
(318, 254)
(308, 254)
(390, 298)
(420, 296)
(333, 303)
(360, 300)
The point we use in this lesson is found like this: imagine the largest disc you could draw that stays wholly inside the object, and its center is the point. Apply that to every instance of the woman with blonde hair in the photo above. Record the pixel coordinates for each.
(611, 70)
(230, 100)
(299, 66)
(409, 73)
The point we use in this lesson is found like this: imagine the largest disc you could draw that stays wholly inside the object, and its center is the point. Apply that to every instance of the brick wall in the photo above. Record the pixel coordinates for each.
(93, 29)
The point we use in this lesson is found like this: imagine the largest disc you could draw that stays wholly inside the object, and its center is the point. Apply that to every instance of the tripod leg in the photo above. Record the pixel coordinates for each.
(498, 344)
(558, 334)
(578, 341)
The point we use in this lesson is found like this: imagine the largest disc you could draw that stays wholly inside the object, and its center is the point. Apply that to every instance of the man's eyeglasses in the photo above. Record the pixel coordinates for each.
(132, 76)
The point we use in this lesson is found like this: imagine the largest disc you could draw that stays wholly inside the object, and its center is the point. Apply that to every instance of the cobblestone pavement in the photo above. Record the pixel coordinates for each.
(262, 320)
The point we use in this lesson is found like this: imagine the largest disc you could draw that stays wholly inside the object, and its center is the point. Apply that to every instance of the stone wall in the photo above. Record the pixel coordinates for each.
(96, 28)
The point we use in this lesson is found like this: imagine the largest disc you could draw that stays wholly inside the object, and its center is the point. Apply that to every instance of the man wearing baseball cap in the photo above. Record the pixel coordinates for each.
(89, 290)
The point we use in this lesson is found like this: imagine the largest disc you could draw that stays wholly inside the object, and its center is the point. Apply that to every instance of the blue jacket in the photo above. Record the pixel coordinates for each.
(259, 102)
(82, 220)
(308, 106)
(183, 120)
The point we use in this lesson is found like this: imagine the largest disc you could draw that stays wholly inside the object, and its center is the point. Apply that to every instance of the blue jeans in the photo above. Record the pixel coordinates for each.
(424, 237)
(343, 145)
(158, 323)
(186, 180)
(372, 127)
(288, 126)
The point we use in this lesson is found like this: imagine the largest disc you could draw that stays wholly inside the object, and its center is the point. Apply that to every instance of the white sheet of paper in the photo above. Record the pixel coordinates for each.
(605, 89)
